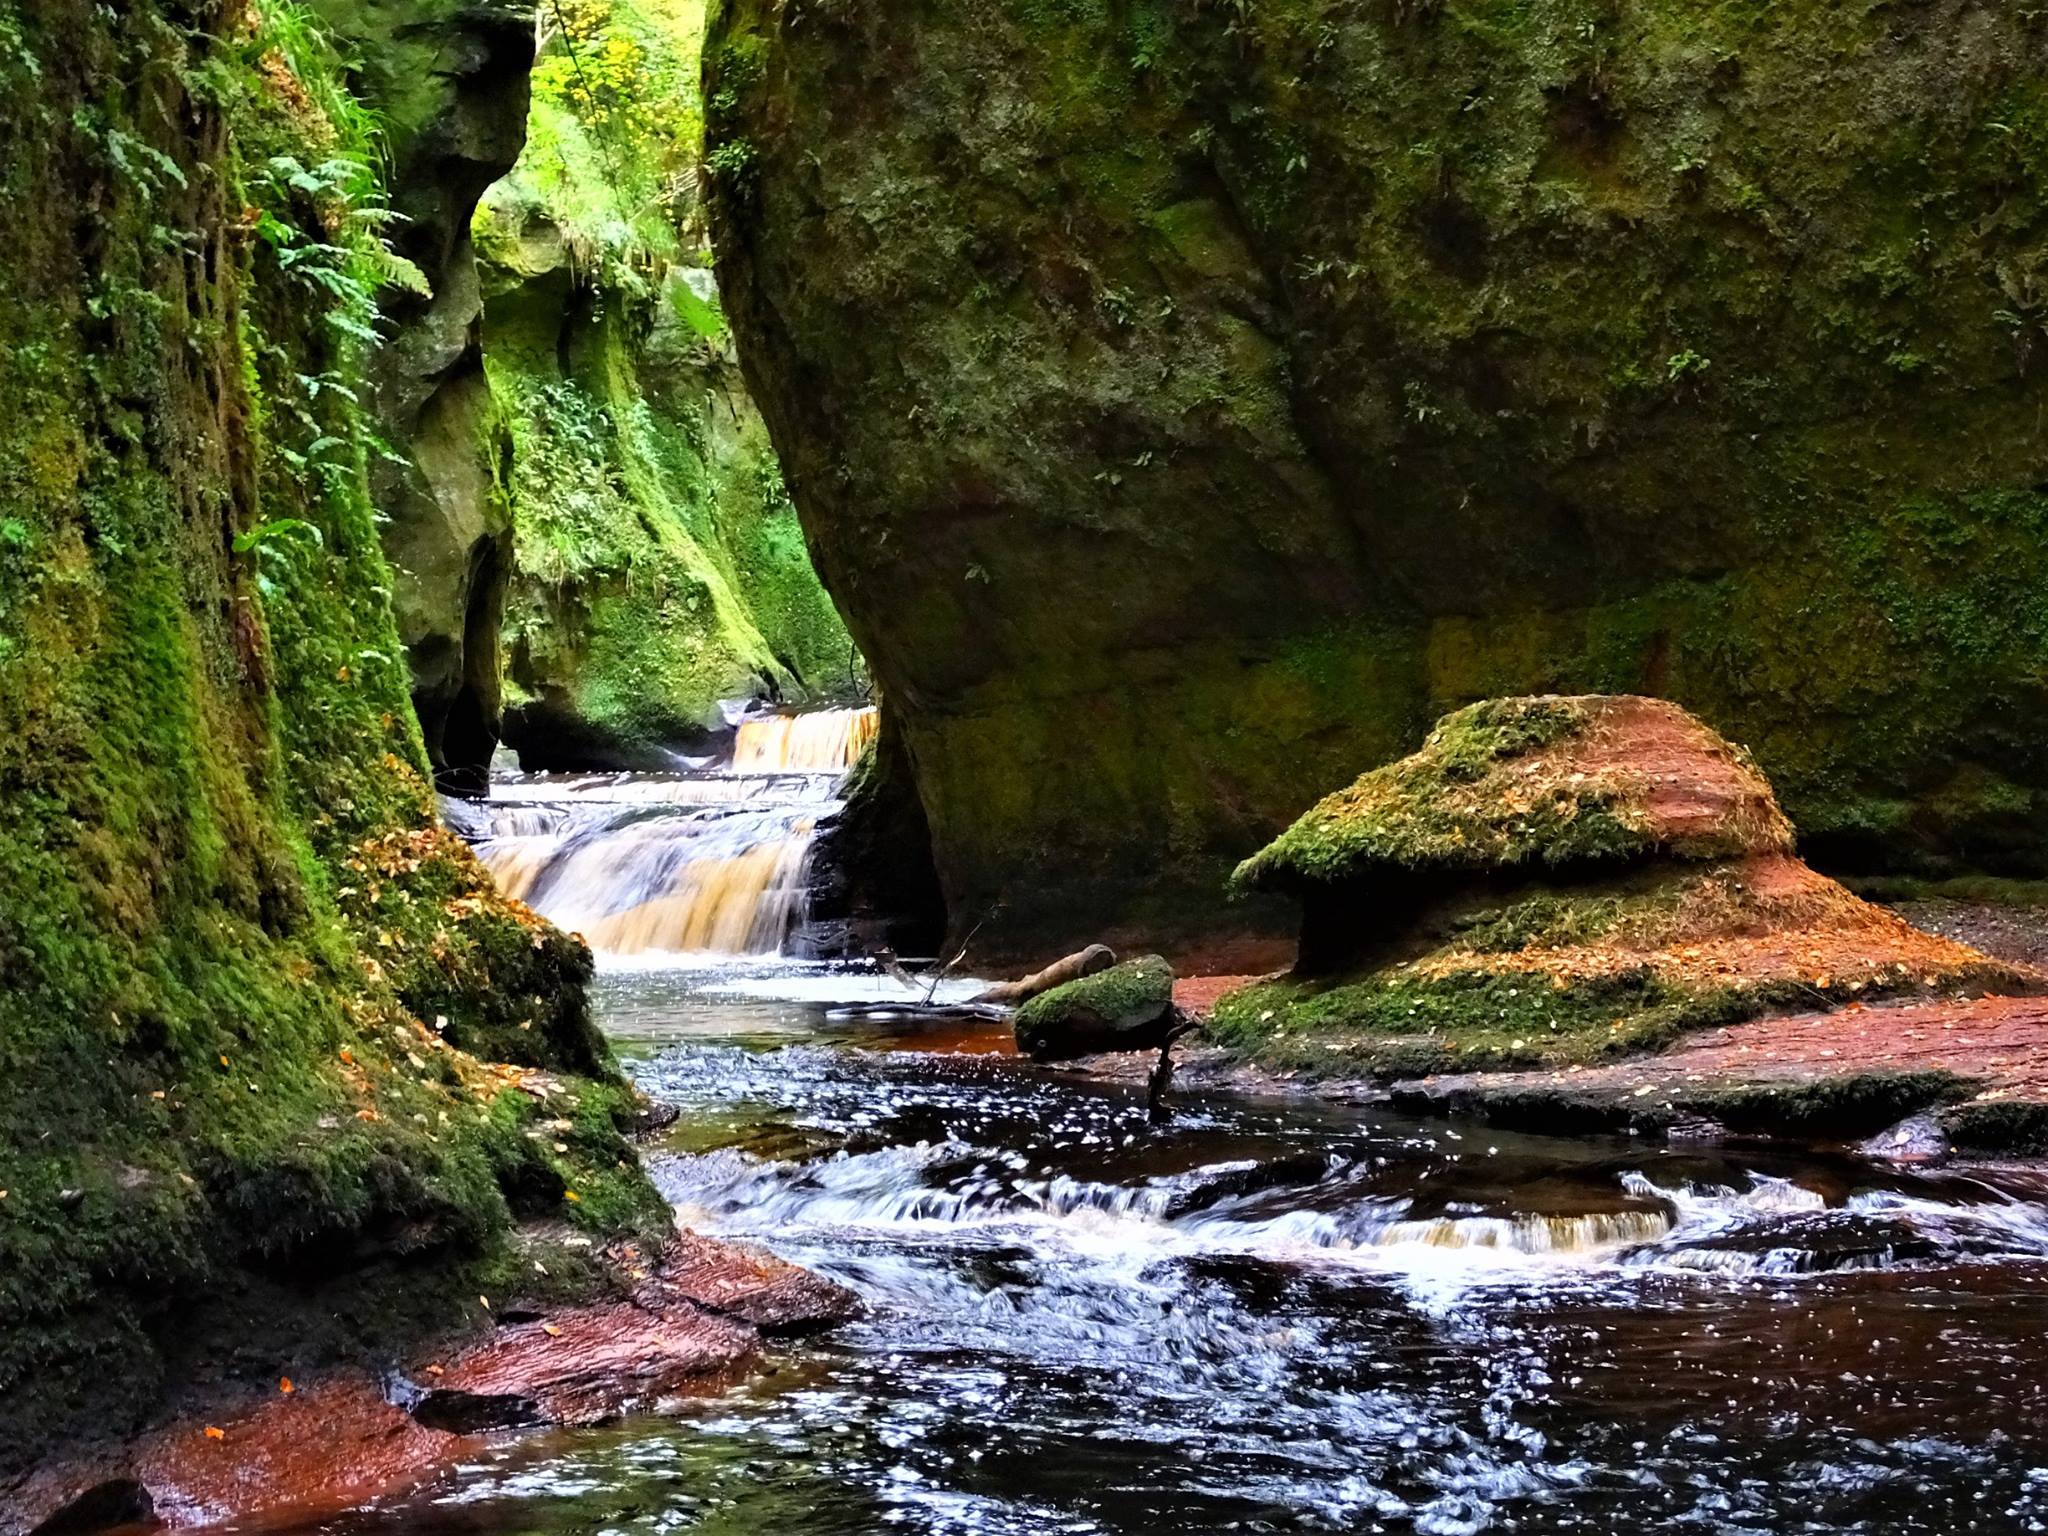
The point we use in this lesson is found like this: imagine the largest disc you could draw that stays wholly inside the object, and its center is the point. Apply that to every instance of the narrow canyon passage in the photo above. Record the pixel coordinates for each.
(708, 859)
(1281, 1315)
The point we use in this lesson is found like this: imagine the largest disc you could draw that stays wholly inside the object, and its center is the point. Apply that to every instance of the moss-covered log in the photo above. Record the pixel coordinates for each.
(1189, 401)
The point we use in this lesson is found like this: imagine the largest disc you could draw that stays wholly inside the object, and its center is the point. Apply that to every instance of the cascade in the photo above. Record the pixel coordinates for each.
(708, 861)
(820, 741)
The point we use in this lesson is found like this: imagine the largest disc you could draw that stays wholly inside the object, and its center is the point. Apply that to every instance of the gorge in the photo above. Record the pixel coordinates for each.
(578, 579)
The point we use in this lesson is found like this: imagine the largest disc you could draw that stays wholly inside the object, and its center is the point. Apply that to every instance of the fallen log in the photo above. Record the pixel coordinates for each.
(1083, 962)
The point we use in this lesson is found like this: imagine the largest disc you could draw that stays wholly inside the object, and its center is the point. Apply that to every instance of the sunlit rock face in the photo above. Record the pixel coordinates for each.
(1188, 403)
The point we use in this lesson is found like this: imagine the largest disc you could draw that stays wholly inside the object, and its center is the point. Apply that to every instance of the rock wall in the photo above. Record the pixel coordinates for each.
(659, 570)
(448, 80)
(250, 1120)
(1188, 401)
(660, 573)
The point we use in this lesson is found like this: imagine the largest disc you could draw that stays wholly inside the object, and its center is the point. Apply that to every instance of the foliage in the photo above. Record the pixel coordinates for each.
(659, 566)
(612, 143)
(219, 1067)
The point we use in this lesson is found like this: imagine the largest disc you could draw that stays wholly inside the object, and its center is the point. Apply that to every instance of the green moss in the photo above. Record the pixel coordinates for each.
(214, 1077)
(1391, 1025)
(659, 565)
(1852, 1104)
(1493, 788)
(1130, 989)
(1540, 349)
(1998, 1127)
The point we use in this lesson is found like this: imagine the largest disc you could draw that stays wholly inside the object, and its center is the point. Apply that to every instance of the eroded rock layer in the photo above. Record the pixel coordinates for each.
(1550, 881)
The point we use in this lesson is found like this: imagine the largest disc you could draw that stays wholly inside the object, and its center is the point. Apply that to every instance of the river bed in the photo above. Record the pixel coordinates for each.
(1279, 1315)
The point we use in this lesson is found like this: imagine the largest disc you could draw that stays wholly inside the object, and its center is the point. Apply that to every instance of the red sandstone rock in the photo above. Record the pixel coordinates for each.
(691, 1321)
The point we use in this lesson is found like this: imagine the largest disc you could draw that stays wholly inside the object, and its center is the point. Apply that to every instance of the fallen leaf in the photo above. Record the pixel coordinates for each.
(551, 1330)
(215, 1434)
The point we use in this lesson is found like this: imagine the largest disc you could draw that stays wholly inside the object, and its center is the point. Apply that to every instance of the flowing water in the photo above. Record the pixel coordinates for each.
(1277, 1315)
(709, 859)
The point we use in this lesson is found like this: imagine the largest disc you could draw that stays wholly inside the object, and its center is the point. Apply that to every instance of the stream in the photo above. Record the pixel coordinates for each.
(1269, 1315)
(1279, 1315)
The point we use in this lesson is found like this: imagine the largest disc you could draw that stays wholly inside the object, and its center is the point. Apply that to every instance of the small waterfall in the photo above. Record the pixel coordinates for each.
(711, 861)
(669, 883)
(822, 741)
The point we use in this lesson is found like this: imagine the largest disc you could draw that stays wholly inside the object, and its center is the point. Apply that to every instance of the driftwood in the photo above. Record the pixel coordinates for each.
(1083, 962)
(1156, 1087)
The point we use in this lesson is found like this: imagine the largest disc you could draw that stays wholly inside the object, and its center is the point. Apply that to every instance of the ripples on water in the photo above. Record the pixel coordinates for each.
(1284, 1316)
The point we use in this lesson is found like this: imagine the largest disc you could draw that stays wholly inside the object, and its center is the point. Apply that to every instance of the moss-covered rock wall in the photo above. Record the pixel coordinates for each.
(447, 83)
(251, 994)
(659, 568)
(1189, 399)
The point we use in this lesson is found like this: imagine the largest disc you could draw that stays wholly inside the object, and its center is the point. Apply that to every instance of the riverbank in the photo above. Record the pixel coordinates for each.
(688, 1321)
(1972, 1073)
(1276, 1313)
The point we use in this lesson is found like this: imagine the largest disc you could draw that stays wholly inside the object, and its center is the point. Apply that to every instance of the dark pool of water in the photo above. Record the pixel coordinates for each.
(1283, 1316)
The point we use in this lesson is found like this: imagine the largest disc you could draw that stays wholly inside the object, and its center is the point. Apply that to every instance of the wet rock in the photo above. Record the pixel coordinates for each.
(1297, 1171)
(1160, 498)
(750, 1283)
(1916, 1139)
(469, 1413)
(694, 1315)
(117, 1502)
(1128, 1007)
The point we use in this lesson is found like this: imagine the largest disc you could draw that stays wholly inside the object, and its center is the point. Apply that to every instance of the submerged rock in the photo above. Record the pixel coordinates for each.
(1550, 880)
(1128, 1007)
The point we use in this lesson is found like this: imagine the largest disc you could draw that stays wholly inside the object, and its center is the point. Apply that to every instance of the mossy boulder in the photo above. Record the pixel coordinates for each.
(1128, 1007)
(1549, 782)
(1550, 881)
(1188, 403)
